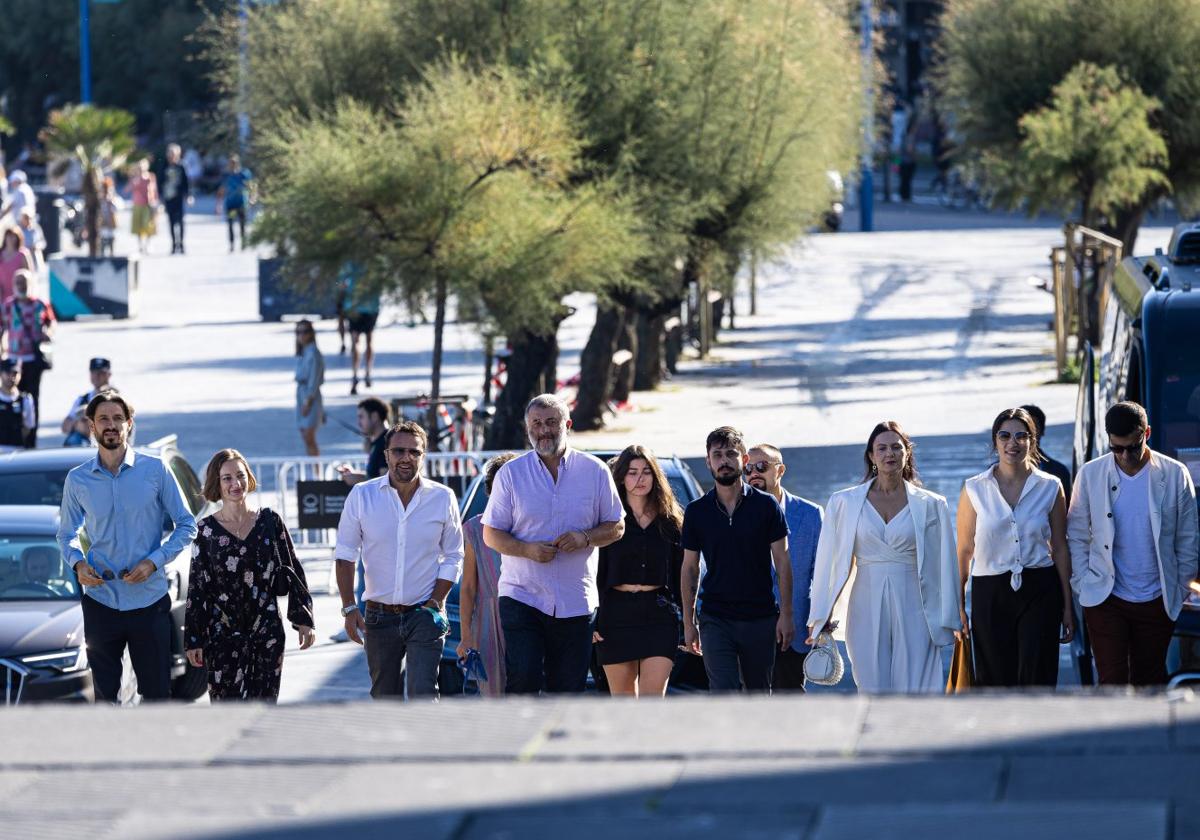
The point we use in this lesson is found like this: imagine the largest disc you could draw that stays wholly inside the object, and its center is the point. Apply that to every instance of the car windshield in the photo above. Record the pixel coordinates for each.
(44, 487)
(31, 569)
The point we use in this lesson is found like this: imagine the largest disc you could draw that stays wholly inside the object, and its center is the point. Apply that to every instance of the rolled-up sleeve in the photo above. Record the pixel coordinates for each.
(609, 507)
(451, 559)
(349, 531)
(171, 498)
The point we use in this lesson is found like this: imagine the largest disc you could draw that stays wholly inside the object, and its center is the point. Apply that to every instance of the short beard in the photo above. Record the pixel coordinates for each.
(110, 446)
(559, 446)
(726, 480)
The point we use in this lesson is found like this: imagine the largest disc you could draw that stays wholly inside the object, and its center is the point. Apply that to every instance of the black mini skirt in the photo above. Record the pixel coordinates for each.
(636, 625)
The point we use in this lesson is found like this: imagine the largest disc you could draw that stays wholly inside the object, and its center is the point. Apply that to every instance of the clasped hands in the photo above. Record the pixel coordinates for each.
(88, 576)
(544, 552)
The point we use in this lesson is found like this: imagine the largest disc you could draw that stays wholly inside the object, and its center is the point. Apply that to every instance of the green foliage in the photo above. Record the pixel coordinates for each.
(1002, 59)
(1092, 149)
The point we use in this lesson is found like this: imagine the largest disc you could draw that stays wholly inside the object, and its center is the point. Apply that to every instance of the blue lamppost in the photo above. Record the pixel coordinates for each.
(866, 195)
(85, 48)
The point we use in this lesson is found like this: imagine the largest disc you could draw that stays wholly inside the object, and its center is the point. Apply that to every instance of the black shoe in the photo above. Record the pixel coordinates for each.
(367, 381)
(354, 386)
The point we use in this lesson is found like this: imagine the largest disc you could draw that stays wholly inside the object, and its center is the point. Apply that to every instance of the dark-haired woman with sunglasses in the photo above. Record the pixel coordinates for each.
(1012, 546)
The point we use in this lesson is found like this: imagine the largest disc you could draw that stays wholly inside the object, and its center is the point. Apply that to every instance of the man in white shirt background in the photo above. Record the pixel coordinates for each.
(410, 535)
(1132, 534)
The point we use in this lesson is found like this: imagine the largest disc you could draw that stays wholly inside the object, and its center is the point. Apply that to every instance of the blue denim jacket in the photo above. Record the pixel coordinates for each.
(804, 528)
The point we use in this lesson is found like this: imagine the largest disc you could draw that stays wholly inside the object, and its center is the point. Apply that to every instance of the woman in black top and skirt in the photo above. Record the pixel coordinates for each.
(637, 625)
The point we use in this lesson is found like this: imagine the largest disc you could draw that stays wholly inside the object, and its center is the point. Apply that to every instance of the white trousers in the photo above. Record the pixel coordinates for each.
(887, 637)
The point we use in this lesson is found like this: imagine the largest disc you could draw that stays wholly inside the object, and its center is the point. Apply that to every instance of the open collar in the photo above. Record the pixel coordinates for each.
(126, 462)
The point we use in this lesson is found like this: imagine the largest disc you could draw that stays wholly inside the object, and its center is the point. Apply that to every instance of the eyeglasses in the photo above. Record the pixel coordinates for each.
(1132, 449)
(757, 467)
(401, 451)
(1019, 437)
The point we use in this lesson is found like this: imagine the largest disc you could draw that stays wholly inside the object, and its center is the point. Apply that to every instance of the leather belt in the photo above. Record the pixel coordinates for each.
(392, 608)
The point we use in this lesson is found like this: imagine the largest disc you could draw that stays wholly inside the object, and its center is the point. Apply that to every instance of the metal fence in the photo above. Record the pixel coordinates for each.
(278, 478)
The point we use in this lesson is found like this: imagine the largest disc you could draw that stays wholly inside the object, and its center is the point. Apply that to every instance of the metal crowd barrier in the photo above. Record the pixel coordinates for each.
(278, 477)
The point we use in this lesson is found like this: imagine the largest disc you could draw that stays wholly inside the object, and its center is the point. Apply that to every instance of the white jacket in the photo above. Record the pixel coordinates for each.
(937, 560)
(1172, 521)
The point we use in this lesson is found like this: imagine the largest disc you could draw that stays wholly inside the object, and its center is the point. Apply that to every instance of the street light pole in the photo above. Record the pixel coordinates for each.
(243, 119)
(85, 52)
(866, 196)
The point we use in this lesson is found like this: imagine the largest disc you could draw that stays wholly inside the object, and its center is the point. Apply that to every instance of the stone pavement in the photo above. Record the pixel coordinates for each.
(1035, 766)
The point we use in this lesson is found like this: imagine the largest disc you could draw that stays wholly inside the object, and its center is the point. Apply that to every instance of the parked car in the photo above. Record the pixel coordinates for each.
(31, 488)
(689, 670)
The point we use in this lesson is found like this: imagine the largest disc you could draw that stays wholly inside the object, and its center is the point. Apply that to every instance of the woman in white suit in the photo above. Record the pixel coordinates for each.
(891, 544)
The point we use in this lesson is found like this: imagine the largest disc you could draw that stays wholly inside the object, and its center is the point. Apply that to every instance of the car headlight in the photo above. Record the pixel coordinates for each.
(63, 661)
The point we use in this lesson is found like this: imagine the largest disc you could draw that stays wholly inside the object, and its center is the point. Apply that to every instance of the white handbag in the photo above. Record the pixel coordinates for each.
(823, 665)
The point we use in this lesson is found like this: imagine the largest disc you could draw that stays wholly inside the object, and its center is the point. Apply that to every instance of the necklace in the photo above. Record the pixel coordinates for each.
(240, 528)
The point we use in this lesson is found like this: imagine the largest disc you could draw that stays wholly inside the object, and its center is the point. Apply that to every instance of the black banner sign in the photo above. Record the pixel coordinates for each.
(321, 502)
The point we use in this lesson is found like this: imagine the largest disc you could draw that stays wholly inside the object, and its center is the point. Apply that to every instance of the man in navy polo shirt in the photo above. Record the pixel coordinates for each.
(743, 534)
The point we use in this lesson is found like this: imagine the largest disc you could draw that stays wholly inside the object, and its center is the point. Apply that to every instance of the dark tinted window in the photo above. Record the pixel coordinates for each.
(31, 569)
(32, 488)
(188, 482)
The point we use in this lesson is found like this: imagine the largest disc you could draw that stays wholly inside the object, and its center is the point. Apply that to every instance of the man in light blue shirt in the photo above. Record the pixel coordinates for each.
(764, 470)
(122, 499)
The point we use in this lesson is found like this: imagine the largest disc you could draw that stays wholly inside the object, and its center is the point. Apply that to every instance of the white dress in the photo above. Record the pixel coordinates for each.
(887, 637)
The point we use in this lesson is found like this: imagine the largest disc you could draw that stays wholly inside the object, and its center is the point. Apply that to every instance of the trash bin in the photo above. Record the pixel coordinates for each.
(50, 206)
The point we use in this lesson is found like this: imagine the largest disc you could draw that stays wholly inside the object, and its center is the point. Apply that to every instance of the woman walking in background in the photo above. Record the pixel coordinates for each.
(637, 625)
(143, 189)
(310, 375)
(896, 541)
(242, 562)
(479, 594)
(1012, 543)
(28, 324)
(14, 257)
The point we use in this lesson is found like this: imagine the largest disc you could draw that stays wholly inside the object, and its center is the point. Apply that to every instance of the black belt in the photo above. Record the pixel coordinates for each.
(392, 608)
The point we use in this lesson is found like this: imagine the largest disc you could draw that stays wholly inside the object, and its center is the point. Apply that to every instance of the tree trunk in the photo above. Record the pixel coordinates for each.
(623, 375)
(435, 386)
(595, 370)
(649, 364)
(1125, 227)
(532, 362)
(91, 210)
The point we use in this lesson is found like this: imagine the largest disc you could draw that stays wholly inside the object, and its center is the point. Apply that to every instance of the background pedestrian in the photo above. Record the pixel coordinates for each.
(310, 375)
(1012, 546)
(243, 561)
(28, 324)
(17, 417)
(479, 594)
(233, 197)
(143, 192)
(75, 425)
(742, 534)
(764, 471)
(177, 195)
(14, 257)
(637, 625)
(1045, 463)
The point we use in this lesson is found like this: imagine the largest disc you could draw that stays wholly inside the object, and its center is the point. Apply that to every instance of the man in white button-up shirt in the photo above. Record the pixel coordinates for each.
(410, 535)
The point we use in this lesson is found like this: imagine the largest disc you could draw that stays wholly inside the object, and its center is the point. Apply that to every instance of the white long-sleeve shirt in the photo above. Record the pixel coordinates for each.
(405, 550)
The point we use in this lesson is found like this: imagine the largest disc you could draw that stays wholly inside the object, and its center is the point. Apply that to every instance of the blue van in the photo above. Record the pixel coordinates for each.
(1149, 352)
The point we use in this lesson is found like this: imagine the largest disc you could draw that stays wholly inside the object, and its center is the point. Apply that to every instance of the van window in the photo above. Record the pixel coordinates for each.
(188, 483)
(1178, 422)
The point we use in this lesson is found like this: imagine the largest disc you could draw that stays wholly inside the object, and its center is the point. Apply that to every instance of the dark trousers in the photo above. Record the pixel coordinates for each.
(147, 633)
(907, 171)
(544, 652)
(403, 647)
(31, 383)
(738, 653)
(789, 670)
(1015, 634)
(238, 213)
(1129, 641)
(175, 218)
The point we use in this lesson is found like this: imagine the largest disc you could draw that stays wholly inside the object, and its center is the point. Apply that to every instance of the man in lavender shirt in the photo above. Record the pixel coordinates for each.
(549, 512)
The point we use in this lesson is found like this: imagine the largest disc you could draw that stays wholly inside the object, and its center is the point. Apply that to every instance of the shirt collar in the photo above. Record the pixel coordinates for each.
(126, 462)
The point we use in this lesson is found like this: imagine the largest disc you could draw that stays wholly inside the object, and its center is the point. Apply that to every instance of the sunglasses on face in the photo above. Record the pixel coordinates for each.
(401, 451)
(1132, 449)
(757, 467)
(1019, 437)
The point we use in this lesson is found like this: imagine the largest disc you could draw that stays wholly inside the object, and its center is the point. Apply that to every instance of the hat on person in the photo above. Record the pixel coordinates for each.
(99, 363)
(17, 176)
(10, 365)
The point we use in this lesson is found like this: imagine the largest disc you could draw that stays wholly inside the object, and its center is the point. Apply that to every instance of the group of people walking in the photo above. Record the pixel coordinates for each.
(573, 554)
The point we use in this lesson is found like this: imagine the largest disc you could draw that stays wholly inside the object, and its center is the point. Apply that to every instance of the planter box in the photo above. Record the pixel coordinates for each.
(81, 287)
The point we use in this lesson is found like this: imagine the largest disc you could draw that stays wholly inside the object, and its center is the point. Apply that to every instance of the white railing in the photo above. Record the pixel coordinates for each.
(277, 479)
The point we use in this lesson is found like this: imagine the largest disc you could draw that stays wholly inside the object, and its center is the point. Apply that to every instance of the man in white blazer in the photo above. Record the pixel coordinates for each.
(1132, 533)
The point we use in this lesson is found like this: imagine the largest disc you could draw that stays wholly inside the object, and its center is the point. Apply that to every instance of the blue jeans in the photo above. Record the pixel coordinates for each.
(403, 642)
(544, 652)
(738, 654)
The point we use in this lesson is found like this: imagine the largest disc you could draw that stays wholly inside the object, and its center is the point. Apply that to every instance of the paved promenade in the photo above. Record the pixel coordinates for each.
(819, 767)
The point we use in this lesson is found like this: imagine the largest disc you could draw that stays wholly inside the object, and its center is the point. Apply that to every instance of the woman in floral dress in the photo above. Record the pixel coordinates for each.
(242, 561)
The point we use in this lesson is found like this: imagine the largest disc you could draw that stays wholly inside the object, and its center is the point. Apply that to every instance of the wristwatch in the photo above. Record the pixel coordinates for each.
(349, 609)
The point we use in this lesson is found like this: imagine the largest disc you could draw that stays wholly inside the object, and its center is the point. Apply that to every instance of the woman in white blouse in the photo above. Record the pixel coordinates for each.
(1012, 526)
(890, 543)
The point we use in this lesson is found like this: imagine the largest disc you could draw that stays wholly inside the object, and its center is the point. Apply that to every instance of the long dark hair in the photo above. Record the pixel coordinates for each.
(909, 473)
(304, 322)
(661, 499)
(1025, 419)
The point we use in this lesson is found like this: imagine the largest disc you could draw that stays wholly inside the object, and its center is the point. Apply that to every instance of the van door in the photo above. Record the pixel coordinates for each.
(1085, 411)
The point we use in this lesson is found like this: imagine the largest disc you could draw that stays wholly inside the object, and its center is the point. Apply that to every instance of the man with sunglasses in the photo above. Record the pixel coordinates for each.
(408, 530)
(764, 471)
(1132, 534)
(743, 535)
